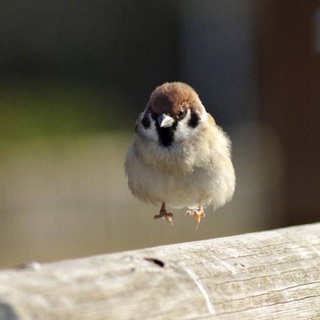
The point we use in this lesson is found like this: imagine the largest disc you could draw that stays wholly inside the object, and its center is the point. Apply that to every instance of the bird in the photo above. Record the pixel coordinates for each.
(179, 156)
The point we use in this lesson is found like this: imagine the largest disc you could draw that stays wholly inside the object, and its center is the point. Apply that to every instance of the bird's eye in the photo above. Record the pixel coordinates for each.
(181, 113)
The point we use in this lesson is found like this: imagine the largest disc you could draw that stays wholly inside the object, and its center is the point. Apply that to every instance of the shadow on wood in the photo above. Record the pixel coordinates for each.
(273, 274)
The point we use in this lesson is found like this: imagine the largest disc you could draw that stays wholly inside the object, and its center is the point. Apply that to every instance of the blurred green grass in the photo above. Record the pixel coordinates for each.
(39, 110)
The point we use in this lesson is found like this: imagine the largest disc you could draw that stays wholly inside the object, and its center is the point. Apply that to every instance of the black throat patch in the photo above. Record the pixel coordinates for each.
(166, 135)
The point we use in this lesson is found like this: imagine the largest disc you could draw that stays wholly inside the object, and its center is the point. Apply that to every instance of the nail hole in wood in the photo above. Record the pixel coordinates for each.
(155, 261)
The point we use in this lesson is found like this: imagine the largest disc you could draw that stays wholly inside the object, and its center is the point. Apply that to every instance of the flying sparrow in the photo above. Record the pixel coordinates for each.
(179, 156)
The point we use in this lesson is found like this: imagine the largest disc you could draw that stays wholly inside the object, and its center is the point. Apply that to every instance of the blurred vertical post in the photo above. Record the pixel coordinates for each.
(290, 83)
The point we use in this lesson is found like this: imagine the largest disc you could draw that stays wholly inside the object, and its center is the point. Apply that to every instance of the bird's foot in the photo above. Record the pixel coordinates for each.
(163, 214)
(197, 214)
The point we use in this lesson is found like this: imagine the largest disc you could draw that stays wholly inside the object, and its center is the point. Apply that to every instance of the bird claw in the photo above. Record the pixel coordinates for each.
(197, 214)
(166, 216)
(163, 214)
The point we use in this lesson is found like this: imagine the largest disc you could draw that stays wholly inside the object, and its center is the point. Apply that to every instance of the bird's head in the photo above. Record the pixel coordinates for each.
(173, 113)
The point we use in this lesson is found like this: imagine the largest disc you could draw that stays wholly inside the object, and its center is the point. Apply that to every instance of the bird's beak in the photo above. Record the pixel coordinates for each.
(165, 121)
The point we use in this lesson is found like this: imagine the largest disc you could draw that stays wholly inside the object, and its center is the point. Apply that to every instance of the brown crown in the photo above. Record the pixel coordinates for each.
(170, 97)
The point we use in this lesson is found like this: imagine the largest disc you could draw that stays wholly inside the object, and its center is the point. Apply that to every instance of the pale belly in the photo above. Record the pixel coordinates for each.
(190, 190)
(202, 186)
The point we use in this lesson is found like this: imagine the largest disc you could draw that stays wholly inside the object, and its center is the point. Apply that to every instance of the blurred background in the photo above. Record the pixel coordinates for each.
(74, 75)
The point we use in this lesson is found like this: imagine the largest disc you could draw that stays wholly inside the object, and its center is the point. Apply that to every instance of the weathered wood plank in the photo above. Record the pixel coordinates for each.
(266, 275)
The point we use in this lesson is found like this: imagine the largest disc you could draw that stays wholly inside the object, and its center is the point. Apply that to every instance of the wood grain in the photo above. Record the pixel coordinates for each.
(265, 275)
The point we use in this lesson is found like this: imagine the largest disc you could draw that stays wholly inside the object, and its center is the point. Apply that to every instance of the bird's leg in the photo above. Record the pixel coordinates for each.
(164, 214)
(197, 213)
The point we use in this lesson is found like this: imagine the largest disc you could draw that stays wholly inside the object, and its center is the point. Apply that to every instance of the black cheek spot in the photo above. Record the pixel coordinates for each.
(194, 120)
(146, 121)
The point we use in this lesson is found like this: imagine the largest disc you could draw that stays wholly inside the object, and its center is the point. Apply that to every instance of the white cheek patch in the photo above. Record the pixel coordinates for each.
(149, 133)
(204, 116)
(184, 131)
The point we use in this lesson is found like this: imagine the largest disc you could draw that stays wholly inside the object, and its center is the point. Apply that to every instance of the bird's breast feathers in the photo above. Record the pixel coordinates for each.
(185, 175)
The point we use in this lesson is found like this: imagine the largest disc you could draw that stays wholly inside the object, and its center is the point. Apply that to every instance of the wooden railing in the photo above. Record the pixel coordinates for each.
(264, 275)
